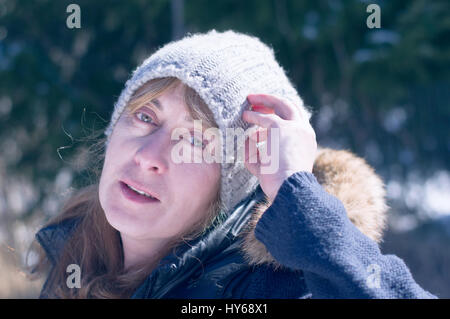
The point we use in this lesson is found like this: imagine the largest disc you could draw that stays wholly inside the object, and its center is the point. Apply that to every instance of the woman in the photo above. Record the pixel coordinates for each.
(164, 222)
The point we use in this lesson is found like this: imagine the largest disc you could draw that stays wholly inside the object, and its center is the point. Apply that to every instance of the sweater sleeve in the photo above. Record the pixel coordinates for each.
(306, 228)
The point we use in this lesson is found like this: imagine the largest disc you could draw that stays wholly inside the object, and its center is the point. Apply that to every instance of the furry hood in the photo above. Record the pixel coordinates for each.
(352, 181)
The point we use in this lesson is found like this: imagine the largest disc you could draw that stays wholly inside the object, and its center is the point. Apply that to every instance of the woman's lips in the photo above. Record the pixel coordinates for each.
(135, 197)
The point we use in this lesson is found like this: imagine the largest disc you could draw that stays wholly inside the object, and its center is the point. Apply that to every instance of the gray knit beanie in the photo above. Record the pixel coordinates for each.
(223, 68)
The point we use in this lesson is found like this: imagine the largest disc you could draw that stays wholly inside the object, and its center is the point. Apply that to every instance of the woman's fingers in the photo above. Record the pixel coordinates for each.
(282, 108)
(251, 156)
(263, 120)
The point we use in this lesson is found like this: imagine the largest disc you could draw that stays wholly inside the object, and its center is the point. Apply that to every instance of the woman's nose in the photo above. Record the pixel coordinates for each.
(152, 154)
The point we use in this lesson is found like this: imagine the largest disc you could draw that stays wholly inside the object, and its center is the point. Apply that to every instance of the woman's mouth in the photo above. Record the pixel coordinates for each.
(135, 195)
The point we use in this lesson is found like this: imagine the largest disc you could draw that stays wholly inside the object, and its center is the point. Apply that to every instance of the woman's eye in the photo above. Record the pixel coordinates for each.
(143, 117)
(196, 142)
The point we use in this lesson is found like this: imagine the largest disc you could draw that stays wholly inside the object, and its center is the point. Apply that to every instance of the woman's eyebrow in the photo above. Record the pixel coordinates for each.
(157, 104)
(160, 107)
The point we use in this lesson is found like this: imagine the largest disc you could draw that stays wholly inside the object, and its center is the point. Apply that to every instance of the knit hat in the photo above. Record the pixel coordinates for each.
(223, 68)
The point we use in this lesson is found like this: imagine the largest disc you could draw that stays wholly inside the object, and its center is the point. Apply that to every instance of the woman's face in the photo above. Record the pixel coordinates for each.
(139, 153)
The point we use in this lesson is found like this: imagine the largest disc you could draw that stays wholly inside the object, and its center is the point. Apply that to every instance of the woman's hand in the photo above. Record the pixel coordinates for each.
(295, 148)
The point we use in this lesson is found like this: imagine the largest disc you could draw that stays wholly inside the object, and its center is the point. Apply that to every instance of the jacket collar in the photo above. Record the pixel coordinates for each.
(53, 237)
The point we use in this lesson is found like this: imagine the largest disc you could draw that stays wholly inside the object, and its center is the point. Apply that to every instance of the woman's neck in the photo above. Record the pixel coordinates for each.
(138, 251)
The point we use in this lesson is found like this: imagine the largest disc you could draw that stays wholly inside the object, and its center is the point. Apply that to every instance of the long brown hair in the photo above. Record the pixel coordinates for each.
(94, 244)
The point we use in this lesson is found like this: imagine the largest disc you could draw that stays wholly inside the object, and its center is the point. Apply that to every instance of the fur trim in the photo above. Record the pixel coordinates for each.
(350, 179)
